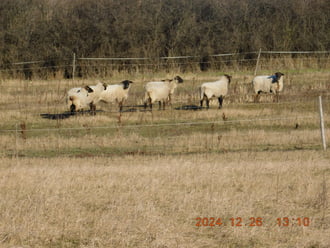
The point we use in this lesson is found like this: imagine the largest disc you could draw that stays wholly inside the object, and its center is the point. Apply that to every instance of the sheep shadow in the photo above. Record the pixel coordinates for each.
(189, 107)
(140, 108)
(66, 114)
(127, 109)
(132, 108)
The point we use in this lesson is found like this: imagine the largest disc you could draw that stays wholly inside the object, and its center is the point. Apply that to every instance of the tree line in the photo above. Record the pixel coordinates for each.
(52, 30)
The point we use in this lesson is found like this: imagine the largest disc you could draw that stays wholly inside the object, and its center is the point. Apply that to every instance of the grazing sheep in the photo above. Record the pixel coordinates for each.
(116, 93)
(268, 84)
(217, 89)
(161, 91)
(79, 99)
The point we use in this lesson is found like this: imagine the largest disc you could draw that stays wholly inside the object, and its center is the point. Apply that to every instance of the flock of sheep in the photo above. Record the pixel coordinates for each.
(80, 99)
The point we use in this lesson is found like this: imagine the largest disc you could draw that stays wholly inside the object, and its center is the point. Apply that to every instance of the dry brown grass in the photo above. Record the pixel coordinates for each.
(140, 179)
(141, 201)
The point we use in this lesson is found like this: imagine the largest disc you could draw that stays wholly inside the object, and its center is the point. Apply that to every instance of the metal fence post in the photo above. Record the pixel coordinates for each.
(322, 124)
(257, 65)
(73, 65)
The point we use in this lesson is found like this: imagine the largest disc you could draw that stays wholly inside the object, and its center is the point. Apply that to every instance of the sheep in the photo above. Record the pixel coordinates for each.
(79, 99)
(268, 84)
(116, 93)
(160, 91)
(217, 89)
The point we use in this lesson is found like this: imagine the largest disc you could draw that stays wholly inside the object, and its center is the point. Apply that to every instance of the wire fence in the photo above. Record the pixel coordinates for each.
(170, 137)
(92, 66)
(173, 124)
(152, 135)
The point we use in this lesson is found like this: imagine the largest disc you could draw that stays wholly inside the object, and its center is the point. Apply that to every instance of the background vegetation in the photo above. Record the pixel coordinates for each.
(52, 30)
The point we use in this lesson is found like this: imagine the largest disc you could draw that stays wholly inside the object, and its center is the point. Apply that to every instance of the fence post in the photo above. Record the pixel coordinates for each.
(322, 124)
(16, 143)
(73, 65)
(255, 71)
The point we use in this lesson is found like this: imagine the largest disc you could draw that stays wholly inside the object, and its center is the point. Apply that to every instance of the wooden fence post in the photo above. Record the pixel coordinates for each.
(73, 65)
(322, 124)
(257, 65)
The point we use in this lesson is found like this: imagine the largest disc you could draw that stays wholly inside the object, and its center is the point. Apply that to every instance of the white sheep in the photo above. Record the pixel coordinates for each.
(160, 91)
(268, 84)
(79, 99)
(116, 93)
(217, 89)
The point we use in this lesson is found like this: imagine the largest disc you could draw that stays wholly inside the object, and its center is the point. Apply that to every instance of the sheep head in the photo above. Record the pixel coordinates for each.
(178, 79)
(228, 77)
(89, 89)
(126, 84)
(279, 75)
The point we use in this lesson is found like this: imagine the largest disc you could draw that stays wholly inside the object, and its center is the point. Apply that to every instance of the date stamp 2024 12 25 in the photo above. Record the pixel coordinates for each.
(251, 221)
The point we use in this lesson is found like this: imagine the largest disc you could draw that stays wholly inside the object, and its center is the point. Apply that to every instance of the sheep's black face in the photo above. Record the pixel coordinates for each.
(89, 89)
(126, 84)
(229, 77)
(179, 79)
(279, 75)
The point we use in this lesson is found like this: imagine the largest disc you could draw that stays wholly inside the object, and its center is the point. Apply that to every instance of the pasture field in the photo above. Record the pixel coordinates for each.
(142, 179)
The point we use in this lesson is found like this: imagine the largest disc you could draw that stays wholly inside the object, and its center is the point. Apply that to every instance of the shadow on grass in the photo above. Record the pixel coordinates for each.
(126, 109)
(189, 107)
(66, 114)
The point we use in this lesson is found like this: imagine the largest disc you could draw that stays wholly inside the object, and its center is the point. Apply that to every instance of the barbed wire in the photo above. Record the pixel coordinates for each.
(158, 58)
(120, 125)
(181, 105)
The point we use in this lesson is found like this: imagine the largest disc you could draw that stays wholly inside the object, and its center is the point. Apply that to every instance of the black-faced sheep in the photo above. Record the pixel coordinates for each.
(268, 84)
(160, 91)
(80, 99)
(218, 89)
(116, 93)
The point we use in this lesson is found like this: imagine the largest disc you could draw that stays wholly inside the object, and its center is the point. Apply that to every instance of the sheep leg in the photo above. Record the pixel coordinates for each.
(256, 97)
(169, 101)
(220, 102)
(207, 103)
(160, 105)
(120, 106)
(203, 101)
(150, 103)
(277, 96)
(92, 108)
(164, 105)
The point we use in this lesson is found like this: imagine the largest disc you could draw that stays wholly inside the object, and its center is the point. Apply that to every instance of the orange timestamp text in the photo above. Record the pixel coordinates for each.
(251, 221)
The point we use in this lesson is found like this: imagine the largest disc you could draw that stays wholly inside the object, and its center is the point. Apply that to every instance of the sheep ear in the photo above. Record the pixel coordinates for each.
(105, 86)
(180, 80)
(89, 89)
(229, 77)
